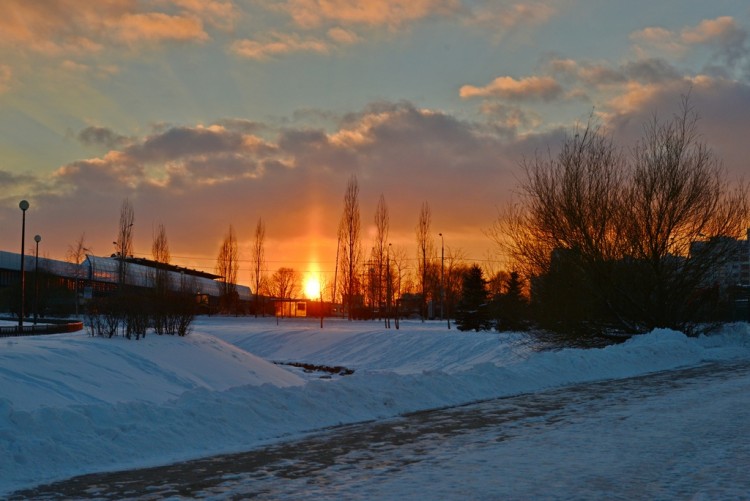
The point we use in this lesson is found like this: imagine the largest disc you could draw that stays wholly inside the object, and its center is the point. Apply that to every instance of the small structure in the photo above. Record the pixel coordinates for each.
(290, 308)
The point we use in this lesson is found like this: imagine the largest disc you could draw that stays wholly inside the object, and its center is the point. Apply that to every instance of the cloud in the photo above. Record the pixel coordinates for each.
(137, 28)
(511, 118)
(391, 13)
(224, 172)
(726, 38)
(277, 44)
(11, 180)
(343, 36)
(221, 14)
(600, 75)
(531, 88)
(720, 103)
(102, 136)
(73, 28)
(508, 17)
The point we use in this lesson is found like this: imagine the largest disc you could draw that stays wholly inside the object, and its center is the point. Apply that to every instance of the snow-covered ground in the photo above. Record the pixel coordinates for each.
(72, 404)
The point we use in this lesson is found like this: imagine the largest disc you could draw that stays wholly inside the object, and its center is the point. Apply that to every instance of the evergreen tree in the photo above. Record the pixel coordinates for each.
(472, 311)
(510, 306)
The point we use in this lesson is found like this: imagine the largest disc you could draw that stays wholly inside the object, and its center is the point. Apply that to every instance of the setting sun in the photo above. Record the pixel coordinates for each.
(312, 287)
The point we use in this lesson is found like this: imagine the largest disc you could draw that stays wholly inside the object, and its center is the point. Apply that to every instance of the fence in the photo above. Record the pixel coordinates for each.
(48, 327)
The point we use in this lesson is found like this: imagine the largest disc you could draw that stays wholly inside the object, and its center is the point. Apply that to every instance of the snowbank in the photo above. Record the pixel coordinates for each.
(71, 404)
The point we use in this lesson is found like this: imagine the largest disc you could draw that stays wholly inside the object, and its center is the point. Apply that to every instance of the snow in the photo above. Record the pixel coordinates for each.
(73, 404)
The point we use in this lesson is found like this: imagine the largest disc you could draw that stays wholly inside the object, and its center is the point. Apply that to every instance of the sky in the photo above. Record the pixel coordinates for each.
(72, 404)
(206, 114)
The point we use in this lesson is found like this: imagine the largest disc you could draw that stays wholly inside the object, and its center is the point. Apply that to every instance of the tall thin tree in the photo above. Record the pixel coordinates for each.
(424, 252)
(227, 266)
(258, 262)
(76, 255)
(160, 254)
(124, 242)
(380, 249)
(351, 244)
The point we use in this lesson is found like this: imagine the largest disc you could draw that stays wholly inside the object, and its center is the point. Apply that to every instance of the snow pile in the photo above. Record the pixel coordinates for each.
(71, 404)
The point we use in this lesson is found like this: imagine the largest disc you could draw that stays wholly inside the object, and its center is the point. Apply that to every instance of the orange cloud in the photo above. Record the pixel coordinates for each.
(722, 33)
(156, 26)
(343, 36)
(544, 88)
(710, 30)
(393, 13)
(221, 14)
(498, 14)
(277, 44)
(70, 27)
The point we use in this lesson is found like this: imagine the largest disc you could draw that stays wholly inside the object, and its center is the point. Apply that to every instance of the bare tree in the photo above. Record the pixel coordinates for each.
(124, 242)
(227, 266)
(160, 254)
(285, 285)
(399, 269)
(350, 242)
(607, 238)
(424, 253)
(77, 255)
(258, 261)
(380, 249)
(678, 196)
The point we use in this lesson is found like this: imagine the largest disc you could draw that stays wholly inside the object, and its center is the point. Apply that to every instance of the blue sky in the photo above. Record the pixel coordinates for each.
(211, 113)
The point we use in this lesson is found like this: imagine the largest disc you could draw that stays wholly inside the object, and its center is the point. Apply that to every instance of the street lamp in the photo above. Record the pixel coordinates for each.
(37, 239)
(23, 205)
(442, 277)
(388, 286)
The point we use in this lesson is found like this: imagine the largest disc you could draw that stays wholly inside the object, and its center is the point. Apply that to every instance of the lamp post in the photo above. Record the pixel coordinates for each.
(23, 205)
(442, 277)
(388, 286)
(37, 239)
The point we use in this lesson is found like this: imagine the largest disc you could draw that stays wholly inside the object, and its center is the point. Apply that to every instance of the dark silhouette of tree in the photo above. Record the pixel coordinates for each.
(510, 306)
(258, 262)
(380, 251)
(124, 241)
(160, 254)
(76, 255)
(285, 285)
(607, 237)
(424, 254)
(227, 266)
(472, 309)
(351, 255)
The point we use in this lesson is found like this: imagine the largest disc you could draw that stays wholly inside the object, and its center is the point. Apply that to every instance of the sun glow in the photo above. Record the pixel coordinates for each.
(312, 287)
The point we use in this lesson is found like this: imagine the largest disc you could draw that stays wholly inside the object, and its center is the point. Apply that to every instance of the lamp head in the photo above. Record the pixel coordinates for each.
(23, 205)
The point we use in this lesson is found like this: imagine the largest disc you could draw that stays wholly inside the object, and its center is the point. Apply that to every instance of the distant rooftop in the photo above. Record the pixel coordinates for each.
(169, 267)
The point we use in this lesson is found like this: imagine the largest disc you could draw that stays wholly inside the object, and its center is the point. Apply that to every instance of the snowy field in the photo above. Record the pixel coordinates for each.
(73, 404)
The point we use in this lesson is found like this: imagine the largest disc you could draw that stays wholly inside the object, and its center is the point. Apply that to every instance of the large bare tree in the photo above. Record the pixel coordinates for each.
(258, 261)
(350, 241)
(424, 253)
(606, 237)
(677, 196)
(227, 266)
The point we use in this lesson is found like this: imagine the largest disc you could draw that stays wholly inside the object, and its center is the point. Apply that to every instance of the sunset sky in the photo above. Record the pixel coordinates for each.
(211, 113)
